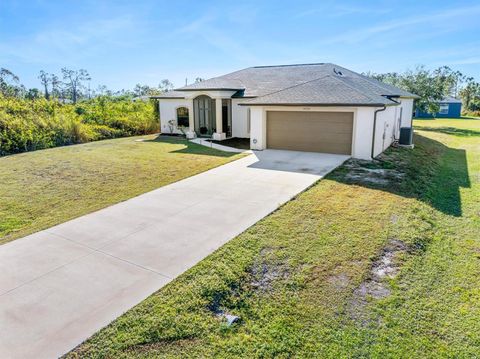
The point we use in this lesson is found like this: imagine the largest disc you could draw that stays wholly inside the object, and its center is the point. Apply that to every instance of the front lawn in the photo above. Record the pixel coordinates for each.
(381, 259)
(43, 188)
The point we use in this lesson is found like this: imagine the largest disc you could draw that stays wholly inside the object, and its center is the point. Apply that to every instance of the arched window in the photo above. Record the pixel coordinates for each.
(182, 117)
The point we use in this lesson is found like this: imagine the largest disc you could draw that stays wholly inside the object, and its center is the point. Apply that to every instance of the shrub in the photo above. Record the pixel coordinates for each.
(27, 125)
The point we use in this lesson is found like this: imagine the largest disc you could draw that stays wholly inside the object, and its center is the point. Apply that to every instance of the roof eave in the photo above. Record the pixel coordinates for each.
(321, 104)
(167, 98)
(412, 96)
(212, 89)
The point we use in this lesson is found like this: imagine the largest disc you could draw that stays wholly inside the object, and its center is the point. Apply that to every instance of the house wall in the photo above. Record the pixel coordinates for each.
(362, 132)
(407, 112)
(239, 119)
(387, 127)
(168, 111)
(454, 111)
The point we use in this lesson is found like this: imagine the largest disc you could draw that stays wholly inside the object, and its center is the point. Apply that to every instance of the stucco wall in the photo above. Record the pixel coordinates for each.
(387, 127)
(239, 119)
(362, 132)
(258, 128)
(168, 111)
(407, 112)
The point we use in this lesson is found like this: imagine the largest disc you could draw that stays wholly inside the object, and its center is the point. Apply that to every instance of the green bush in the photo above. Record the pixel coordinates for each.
(28, 125)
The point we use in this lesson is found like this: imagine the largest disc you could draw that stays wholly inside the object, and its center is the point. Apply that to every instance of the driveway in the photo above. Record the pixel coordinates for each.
(61, 285)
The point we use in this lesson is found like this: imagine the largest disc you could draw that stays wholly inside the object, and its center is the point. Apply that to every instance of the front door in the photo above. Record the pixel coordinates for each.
(204, 115)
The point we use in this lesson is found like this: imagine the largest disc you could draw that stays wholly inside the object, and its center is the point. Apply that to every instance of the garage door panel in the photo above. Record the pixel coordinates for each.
(329, 132)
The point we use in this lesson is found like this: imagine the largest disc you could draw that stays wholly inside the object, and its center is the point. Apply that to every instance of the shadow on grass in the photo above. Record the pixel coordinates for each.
(190, 147)
(450, 131)
(431, 172)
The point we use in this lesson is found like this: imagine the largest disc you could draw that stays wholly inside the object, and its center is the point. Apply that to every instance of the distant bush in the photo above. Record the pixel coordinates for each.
(471, 113)
(28, 125)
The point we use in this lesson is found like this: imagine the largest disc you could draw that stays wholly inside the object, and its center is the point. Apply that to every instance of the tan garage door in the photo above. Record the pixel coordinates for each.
(329, 132)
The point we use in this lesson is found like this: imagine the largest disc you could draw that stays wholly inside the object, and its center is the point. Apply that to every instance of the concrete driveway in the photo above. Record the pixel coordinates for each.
(61, 285)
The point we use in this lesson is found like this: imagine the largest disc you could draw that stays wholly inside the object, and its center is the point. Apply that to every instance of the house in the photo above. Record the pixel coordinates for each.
(318, 107)
(450, 107)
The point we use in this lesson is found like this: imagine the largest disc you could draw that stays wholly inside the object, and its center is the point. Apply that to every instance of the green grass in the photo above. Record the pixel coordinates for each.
(43, 188)
(311, 256)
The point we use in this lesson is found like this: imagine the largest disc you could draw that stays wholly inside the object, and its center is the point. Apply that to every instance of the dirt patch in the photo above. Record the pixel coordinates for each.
(394, 218)
(339, 281)
(375, 286)
(371, 172)
(265, 272)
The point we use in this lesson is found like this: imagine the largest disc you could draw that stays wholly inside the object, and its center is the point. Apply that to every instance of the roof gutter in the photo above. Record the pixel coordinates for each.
(375, 127)
(330, 104)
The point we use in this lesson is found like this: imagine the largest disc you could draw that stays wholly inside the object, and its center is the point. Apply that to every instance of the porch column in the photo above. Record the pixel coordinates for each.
(191, 122)
(219, 134)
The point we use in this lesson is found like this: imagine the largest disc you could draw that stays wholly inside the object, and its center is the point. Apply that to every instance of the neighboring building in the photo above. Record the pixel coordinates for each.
(450, 107)
(310, 107)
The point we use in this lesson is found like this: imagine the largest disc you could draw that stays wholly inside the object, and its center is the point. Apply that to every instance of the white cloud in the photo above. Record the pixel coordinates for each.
(342, 10)
(65, 43)
(436, 18)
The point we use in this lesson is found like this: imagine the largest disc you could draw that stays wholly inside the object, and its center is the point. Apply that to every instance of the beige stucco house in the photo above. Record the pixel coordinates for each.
(309, 107)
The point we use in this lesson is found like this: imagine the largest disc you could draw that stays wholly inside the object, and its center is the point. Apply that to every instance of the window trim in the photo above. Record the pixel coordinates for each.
(445, 109)
(187, 116)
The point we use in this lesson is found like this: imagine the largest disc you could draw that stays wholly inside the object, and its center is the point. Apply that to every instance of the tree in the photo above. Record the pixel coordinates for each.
(103, 90)
(74, 79)
(459, 80)
(431, 86)
(45, 80)
(33, 94)
(165, 85)
(470, 95)
(9, 83)
(56, 86)
(142, 90)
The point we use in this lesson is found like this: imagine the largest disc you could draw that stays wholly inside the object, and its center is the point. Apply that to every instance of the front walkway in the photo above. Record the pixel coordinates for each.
(61, 285)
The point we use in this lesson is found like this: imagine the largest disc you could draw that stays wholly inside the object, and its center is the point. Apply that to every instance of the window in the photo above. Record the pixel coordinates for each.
(248, 120)
(443, 109)
(182, 117)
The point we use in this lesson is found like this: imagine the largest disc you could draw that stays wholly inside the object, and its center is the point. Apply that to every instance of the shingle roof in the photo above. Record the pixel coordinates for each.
(450, 99)
(170, 94)
(269, 81)
(327, 90)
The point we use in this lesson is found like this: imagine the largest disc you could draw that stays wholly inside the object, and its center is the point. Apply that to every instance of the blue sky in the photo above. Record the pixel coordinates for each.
(122, 43)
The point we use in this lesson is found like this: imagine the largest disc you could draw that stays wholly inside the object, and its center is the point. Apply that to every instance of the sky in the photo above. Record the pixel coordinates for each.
(122, 43)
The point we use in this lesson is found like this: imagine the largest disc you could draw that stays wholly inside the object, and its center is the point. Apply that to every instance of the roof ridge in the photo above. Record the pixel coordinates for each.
(305, 64)
(290, 87)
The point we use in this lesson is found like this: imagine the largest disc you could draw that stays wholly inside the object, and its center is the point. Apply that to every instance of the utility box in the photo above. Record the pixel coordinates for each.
(406, 136)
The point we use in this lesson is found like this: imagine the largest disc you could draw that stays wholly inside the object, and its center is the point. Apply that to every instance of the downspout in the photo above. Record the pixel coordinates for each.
(375, 127)
(397, 102)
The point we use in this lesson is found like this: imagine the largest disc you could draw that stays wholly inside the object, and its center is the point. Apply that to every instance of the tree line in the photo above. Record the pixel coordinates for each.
(70, 86)
(434, 85)
(65, 111)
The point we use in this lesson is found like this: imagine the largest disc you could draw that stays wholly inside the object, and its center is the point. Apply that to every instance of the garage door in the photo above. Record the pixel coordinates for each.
(329, 132)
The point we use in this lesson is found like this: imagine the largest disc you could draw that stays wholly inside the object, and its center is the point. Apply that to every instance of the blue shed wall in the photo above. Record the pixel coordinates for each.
(454, 111)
